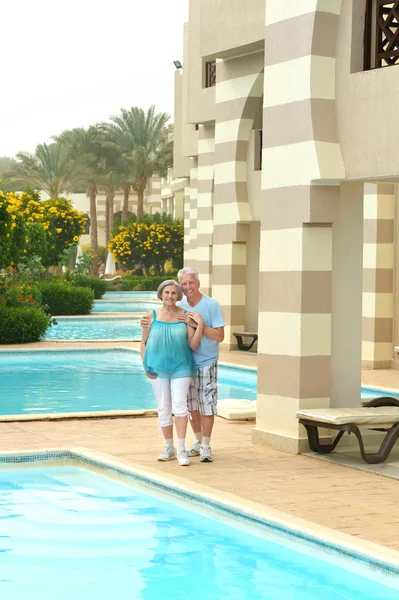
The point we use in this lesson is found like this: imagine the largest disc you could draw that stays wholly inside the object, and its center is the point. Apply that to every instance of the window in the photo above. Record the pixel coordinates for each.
(210, 73)
(381, 39)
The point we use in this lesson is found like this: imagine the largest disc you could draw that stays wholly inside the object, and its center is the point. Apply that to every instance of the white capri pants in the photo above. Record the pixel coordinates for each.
(171, 397)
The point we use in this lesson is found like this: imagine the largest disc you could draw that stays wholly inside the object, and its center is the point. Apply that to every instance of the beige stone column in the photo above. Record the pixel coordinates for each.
(347, 297)
(239, 91)
(301, 157)
(378, 275)
(206, 161)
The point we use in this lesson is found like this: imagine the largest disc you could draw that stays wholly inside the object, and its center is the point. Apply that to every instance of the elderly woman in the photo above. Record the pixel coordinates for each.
(166, 349)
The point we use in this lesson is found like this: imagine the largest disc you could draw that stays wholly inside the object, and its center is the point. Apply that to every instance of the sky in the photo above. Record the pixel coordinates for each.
(73, 63)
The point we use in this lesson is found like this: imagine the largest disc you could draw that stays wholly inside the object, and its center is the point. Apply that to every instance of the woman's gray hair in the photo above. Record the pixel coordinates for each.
(188, 271)
(164, 284)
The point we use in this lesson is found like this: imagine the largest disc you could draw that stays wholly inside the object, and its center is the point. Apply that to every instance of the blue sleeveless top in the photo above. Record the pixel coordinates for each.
(167, 353)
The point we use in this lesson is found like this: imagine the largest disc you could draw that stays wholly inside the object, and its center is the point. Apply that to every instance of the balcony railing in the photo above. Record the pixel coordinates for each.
(381, 40)
(210, 73)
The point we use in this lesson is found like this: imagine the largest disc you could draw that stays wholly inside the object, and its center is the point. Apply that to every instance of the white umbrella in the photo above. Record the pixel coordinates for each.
(79, 255)
(110, 264)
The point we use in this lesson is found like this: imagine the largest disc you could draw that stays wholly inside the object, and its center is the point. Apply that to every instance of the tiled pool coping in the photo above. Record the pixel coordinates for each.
(384, 561)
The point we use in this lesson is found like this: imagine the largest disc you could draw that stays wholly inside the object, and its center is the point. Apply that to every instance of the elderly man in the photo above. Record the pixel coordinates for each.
(203, 392)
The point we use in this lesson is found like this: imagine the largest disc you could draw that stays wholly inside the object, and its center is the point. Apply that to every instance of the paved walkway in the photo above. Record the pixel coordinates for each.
(354, 502)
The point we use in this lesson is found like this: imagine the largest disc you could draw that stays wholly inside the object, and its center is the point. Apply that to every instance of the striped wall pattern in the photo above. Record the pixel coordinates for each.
(187, 251)
(378, 275)
(294, 348)
(101, 208)
(239, 90)
(193, 209)
(206, 161)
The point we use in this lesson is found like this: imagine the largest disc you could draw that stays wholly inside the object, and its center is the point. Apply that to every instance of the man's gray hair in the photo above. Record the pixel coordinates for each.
(188, 271)
(164, 284)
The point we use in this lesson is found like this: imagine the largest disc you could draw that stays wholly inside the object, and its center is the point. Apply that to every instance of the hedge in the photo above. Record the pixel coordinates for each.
(22, 325)
(67, 299)
(141, 284)
(99, 286)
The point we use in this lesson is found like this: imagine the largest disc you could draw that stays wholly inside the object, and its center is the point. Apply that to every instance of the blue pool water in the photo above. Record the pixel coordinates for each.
(94, 380)
(110, 295)
(101, 306)
(95, 328)
(368, 393)
(69, 533)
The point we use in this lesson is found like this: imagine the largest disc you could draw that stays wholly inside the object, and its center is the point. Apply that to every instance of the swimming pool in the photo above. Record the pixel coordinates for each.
(95, 328)
(101, 306)
(90, 381)
(368, 393)
(130, 295)
(68, 533)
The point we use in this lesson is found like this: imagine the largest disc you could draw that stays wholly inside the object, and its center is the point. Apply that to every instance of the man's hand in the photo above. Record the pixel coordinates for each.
(145, 322)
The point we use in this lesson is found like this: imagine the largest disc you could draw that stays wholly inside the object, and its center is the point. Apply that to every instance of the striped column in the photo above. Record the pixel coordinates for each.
(206, 160)
(187, 251)
(300, 151)
(378, 275)
(239, 91)
(193, 212)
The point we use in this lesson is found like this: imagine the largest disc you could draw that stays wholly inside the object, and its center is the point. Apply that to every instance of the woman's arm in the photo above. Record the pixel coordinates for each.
(144, 337)
(195, 334)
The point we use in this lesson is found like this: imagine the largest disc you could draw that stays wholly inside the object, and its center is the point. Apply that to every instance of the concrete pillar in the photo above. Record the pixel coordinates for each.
(239, 91)
(179, 205)
(346, 331)
(298, 207)
(206, 160)
(378, 275)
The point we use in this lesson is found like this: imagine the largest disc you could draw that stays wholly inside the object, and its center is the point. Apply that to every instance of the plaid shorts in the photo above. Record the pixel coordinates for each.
(203, 392)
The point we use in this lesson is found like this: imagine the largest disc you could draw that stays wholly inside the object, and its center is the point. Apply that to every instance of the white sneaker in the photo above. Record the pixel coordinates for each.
(205, 454)
(168, 454)
(194, 450)
(183, 459)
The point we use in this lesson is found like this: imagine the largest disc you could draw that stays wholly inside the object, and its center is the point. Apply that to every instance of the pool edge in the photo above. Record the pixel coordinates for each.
(376, 556)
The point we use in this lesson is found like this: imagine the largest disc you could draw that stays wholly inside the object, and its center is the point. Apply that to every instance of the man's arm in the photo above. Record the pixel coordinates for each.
(214, 333)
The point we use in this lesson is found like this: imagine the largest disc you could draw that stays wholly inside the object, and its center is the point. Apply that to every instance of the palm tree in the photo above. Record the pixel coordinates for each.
(141, 136)
(84, 146)
(50, 169)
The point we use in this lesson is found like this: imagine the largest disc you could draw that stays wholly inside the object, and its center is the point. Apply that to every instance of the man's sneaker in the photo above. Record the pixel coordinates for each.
(195, 449)
(182, 458)
(205, 454)
(168, 454)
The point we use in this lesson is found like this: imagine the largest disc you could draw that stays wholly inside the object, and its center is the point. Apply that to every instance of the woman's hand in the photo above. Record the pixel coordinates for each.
(150, 376)
(192, 319)
(196, 318)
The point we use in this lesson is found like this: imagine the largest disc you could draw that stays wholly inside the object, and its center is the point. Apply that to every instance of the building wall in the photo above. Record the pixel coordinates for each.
(242, 32)
(366, 102)
(290, 254)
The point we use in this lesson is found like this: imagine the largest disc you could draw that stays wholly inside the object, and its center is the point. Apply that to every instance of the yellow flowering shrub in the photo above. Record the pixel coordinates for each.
(61, 223)
(149, 244)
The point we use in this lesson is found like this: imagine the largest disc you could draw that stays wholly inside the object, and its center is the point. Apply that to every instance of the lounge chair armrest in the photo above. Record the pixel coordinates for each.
(382, 401)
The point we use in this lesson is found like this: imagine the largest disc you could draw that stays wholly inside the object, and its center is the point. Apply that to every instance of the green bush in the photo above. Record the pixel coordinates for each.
(139, 284)
(65, 299)
(22, 325)
(99, 286)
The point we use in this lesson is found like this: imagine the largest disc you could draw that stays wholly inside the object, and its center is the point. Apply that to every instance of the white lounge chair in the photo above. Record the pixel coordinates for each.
(379, 414)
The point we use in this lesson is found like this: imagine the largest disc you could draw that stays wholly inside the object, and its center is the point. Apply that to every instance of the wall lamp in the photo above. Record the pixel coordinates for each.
(177, 64)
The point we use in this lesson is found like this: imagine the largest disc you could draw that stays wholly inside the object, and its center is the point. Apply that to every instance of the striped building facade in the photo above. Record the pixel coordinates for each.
(279, 238)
